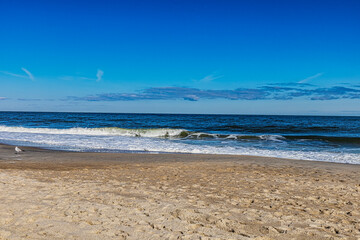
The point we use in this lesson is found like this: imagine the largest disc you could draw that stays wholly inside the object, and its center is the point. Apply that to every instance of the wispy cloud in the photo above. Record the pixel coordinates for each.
(28, 73)
(311, 78)
(99, 75)
(210, 78)
(13, 74)
(29, 99)
(3, 98)
(260, 93)
(292, 84)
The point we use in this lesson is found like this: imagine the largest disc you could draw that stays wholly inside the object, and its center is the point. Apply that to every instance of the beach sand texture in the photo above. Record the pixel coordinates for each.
(63, 195)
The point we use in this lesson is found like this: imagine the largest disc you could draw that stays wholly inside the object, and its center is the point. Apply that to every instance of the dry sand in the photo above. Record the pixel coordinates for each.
(62, 195)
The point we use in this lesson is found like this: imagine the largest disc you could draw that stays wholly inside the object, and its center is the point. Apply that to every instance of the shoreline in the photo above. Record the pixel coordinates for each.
(134, 156)
(47, 194)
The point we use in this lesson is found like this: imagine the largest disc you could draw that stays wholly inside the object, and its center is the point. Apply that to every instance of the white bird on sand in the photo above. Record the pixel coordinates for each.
(18, 150)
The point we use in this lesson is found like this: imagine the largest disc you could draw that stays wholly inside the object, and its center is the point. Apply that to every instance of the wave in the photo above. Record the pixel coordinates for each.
(85, 143)
(156, 141)
(110, 131)
(180, 134)
(143, 132)
(330, 139)
(277, 138)
(277, 128)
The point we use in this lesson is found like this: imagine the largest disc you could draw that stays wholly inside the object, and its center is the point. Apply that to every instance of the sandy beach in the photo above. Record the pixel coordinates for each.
(67, 195)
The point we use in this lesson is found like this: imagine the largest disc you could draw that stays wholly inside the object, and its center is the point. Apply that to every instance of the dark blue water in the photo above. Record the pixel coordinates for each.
(325, 138)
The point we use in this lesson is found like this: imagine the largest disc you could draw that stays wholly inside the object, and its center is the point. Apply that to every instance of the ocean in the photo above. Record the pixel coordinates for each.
(320, 138)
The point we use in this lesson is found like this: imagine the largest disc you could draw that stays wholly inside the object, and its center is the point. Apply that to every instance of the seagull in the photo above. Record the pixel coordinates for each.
(18, 150)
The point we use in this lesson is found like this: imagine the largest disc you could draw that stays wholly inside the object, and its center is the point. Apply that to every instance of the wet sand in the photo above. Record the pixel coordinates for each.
(64, 195)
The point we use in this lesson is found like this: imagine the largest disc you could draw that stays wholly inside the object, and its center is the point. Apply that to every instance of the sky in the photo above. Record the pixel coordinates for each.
(207, 57)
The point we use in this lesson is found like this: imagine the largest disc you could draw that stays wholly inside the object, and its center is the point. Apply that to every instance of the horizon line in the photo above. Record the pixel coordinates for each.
(239, 114)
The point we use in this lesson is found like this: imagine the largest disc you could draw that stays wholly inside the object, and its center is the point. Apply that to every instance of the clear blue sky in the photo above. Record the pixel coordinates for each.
(242, 57)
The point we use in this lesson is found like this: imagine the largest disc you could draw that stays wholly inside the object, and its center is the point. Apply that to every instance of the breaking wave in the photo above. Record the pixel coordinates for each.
(107, 131)
(180, 134)
(182, 141)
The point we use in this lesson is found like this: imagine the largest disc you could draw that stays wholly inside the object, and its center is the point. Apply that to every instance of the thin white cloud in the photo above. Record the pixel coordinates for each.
(75, 78)
(99, 75)
(210, 78)
(3, 98)
(311, 78)
(28, 73)
(13, 74)
(98, 78)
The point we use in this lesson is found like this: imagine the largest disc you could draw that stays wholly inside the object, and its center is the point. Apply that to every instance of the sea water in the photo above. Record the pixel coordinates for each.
(321, 138)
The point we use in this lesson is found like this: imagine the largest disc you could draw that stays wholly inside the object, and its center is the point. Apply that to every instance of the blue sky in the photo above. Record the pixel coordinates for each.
(241, 57)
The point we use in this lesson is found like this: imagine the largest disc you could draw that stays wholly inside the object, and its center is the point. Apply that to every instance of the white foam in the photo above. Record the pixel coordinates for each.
(91, 140)
(155, 132)
(277, 138)
(231, 136)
